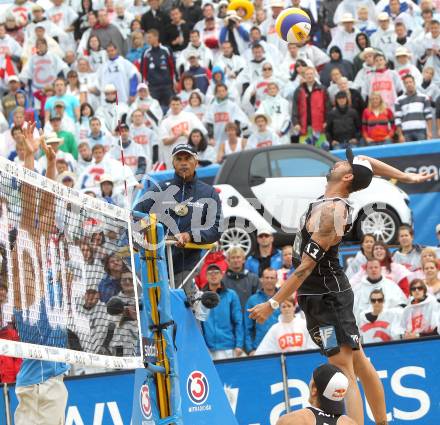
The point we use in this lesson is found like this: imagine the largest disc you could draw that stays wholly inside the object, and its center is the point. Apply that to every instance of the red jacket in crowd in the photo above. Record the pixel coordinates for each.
(315, 103)
(9, 366)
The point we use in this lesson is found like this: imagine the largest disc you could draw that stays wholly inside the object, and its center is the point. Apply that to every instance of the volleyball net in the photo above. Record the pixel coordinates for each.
(67, 279)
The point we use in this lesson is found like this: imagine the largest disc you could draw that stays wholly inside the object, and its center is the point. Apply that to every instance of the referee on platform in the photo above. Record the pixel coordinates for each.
(189, 209)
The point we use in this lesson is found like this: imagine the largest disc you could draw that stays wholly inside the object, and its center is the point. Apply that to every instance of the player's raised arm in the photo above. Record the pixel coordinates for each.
(29, 195)
(384, 170)
(325, 234)
(46, 211)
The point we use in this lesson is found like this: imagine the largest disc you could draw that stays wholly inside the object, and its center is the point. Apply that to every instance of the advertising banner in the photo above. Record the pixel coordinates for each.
(409, 372)
(96, 399)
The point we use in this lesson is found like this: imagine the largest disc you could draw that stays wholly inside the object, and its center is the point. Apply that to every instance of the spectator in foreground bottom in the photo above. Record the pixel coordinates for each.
(223, 330)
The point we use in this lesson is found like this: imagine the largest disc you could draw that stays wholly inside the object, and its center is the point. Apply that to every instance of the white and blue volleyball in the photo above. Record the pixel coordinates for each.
(293, 25)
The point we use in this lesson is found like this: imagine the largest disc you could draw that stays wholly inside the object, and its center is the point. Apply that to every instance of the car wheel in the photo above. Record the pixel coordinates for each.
(235, 236)
(383, 224)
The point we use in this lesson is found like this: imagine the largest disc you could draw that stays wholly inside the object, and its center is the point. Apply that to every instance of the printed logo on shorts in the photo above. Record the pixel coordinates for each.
(328, 337)
(145, 401)
(197, 387)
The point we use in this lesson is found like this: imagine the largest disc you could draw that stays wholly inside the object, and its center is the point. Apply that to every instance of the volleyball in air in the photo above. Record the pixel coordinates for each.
(293, 25)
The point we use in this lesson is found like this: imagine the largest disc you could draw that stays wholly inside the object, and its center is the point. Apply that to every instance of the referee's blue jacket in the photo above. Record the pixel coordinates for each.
(201, 219)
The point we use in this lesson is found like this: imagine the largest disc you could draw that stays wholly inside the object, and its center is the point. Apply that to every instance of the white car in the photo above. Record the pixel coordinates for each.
(270, 188)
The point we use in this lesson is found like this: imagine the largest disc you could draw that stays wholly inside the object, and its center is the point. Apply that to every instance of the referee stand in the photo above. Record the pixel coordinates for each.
(179, 383)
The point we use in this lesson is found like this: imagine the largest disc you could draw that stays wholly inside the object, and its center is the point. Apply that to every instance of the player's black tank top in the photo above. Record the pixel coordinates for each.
(328, 275)
(323, 418)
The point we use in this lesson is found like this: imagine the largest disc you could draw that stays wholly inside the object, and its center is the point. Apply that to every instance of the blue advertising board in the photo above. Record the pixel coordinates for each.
(409, 371)
(104, 399)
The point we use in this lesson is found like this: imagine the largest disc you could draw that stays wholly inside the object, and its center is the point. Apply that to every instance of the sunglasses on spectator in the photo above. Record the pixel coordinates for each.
(376, 300)
(267, 69)
(213, 271)
(417, 288)
(264, 235)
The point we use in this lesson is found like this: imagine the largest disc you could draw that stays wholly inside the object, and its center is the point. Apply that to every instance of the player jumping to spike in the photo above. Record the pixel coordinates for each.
(324, 292)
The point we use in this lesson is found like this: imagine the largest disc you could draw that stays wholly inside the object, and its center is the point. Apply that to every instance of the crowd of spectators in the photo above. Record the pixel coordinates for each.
(396, 296)
(116, 86)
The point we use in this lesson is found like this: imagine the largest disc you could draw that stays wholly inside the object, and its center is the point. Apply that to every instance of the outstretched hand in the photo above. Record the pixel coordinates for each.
(30, 144)
(260, 312)
(414, 178)
(48, 151)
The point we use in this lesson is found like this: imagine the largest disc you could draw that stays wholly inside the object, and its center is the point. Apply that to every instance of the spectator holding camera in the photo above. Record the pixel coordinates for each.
(122, 308)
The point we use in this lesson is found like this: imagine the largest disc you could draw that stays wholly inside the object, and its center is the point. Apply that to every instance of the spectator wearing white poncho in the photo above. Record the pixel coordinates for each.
(394, 296)
(278, 109)
(288, 335)
(379, 324)
(421, 317)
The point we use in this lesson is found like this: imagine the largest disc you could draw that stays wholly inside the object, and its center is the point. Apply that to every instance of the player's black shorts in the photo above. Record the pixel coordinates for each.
(330, 320)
